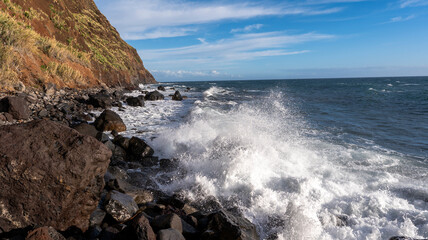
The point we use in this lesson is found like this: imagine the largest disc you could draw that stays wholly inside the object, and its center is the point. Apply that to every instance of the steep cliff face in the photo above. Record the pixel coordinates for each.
(66, 42)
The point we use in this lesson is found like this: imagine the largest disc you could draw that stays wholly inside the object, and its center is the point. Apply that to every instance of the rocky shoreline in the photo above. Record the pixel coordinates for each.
(65, 178)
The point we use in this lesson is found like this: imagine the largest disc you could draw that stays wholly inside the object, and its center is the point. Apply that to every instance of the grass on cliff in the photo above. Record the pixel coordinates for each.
(18, 41)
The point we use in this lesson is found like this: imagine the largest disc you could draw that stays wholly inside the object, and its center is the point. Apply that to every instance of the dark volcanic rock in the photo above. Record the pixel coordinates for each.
(51, 175)
(120, 206)
(109, 121)
(16, 106)
(224, 225)
(161, 88)
(404, 238)
(100, 100)
(177, 96)
(138, 149)
(135, 101)
(142, 229)
(168, 221)
(155, 95)
(86, 129)
(170, 234)
(44, 233)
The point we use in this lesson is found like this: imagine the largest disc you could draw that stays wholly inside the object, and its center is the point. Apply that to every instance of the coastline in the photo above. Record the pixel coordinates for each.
(130, 204)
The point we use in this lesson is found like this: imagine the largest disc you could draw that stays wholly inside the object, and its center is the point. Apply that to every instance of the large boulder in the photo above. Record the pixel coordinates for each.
(109, 121)
(170, 234)
(100, 100)
(161, 88)
(138, 149)
(135, 101)
(141, 228)
(224, 225)
(168, 221)
(86, 129)
(16, 106)
(177, 96)
(50, 174)
(153, 96)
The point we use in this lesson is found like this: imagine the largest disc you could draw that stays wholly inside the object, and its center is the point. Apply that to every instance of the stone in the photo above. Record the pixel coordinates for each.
(135, 101)
(227, 226)
(18, 107)
(51, 175)
(100, 100)
(97, 217)
(86, 129)
(142, 229)
(109, 121)
(153, 96)
(177, 96)
(44, 233)
(122, 141)
(120, 206)
(170, 234)
(138, 149)
(171, 220)
(49, 89)
(102, 137)
(404, 238)
(161, 88)
(43, 113)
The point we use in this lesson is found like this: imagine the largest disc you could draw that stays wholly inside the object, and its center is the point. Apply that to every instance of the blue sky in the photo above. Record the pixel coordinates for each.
(183, 40)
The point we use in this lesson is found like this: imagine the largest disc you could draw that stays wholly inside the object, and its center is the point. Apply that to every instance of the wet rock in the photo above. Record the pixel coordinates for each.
(135, 101)
(86, 129)
(224, 225)
(161, 88)
(177, 96)
(109, 121)
(120, 206)
(97, 217)
(170, 234)
(405, 238)
(44, 233)
(138, 149)
(168, 221)
(55, 172)
(153, 96)
(122, 141)
(141, 228)
(149, 161)
(100, 100)
(16, 106)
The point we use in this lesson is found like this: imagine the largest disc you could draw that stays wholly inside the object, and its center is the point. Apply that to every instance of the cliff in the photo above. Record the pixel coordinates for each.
(66, 42)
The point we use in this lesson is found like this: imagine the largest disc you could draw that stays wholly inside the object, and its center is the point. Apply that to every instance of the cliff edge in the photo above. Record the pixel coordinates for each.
(66, 42)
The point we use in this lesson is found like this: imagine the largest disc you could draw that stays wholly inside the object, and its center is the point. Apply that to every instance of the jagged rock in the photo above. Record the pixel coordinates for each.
(109, 121)
(224, 225)
(171, 220)
(51, 175)
(16, 106)
(120, 206)
(138, 149)
(141, 228)
(122, 141)
(97, 217)
(86, 129)
(170, 234)
(177, 96)
(161, 88)
(44, 233)
(100, 100)
(153, 96)
(135, 101)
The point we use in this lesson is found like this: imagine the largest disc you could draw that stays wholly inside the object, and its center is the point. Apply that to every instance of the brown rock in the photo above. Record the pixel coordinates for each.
(86, 129)
(51, 175)
(141, 227)
(109, 121)
(170, 234)
(16, 106)
(44, 233)
(171, 220)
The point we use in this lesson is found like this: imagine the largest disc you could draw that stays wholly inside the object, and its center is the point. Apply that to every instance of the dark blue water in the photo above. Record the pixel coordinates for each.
(387, 112)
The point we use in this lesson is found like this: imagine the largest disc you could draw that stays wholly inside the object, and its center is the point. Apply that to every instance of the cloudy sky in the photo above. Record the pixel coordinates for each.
(183, 40)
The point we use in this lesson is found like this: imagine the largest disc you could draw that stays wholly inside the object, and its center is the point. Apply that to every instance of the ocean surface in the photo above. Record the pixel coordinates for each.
(301, 159)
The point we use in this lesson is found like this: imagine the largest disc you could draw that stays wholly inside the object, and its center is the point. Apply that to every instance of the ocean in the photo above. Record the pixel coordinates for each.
(301, 159)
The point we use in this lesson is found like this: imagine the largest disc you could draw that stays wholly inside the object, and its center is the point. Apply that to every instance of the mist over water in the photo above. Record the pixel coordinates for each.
(326, 159)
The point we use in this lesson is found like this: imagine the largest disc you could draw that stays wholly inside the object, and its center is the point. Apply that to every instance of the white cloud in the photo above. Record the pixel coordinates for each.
(413, 3)
(248, 28)
(160, 33)
(239, 47)
(142, 19)
(401, 19)
(186, 73)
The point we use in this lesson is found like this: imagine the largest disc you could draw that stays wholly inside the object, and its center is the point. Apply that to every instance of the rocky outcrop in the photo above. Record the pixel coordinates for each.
(109, 121)
(66, 42)
(177, 96)
(135, 101)
(153, 96)
(51, 175)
